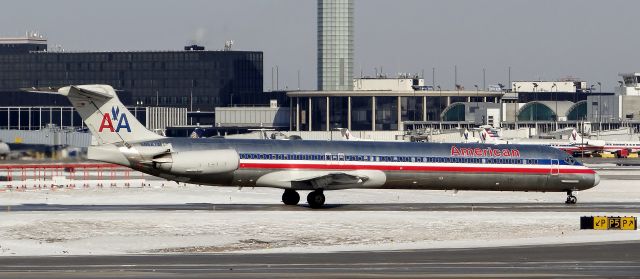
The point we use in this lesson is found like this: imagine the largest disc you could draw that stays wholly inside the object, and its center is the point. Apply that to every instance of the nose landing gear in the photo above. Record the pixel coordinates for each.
(571, 199)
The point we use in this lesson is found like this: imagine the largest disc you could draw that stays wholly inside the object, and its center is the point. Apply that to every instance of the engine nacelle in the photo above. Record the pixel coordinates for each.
(199, 162)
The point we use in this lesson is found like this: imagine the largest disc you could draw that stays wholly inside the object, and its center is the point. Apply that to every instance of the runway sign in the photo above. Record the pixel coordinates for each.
(608, 223)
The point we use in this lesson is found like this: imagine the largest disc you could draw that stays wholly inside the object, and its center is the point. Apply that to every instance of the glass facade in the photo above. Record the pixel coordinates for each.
(36, 118)
(200, 80)
(456, 112)
(536, 112)
(335, 45)
(304, 114)
(319, 114)
(578, 111)
(361, 113)
(339, 112)
(435, 106)
(411, 108)
(386, 113)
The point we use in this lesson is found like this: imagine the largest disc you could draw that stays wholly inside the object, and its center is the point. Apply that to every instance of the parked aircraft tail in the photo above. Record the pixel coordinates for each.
(106, 117)
(575, 137)
(488, 135)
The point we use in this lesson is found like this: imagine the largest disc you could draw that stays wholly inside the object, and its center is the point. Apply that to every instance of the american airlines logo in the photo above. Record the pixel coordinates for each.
(114, 117)
(484, 152)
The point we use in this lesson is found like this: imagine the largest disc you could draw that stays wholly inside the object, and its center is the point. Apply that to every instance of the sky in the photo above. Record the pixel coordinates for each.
(540, 40)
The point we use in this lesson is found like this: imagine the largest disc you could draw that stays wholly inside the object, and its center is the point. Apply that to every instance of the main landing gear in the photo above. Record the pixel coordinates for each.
(315, 198)
(290, 197)
(571, 199)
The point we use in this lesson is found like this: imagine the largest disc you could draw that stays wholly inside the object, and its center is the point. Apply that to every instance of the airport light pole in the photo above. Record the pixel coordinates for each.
(439, 100)
(591, 89)
(555, 96)
(535, 95)
(599, 103)
(515, 108)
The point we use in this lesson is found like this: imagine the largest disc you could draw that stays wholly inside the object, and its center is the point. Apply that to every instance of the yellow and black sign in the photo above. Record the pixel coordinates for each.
(608, 223)
(600, 223)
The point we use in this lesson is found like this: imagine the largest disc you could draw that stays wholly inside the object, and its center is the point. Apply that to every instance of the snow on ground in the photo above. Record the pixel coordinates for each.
(131, 232)
(173, 193)
(80, 233)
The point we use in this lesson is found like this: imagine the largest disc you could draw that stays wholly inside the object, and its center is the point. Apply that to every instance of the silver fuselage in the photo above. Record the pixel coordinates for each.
(392, 165)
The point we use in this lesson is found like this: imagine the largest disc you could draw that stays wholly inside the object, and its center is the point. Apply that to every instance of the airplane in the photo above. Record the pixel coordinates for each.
(591, 145)
(318, 166)
(490, 135)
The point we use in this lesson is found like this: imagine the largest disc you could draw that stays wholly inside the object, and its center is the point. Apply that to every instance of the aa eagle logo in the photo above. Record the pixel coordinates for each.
(117, 117)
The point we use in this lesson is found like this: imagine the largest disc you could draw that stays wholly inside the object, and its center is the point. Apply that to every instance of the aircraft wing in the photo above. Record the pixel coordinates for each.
(330, 180)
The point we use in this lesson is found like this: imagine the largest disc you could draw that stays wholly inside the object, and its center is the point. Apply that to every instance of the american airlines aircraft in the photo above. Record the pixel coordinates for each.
(591, 145)
(489, 135)
(318, 166)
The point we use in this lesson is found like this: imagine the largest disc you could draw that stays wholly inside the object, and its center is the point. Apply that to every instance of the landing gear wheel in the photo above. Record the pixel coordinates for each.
(290, 197)
(315, 199)
(571, 199)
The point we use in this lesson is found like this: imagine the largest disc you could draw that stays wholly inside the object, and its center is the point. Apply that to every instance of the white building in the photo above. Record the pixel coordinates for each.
(387, 84)
(549, 86)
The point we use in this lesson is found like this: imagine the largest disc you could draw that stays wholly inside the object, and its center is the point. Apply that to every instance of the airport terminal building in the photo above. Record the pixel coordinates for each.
(193, 79)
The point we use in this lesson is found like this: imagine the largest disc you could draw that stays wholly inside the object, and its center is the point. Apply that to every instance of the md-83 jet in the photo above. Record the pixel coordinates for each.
(318, 166)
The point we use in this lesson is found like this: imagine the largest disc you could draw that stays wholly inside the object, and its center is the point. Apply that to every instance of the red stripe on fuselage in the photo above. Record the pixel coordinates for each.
(412, 168)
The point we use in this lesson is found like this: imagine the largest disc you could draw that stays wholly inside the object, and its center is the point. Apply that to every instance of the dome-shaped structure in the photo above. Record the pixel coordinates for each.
(544, 110)
(578, 111)
(454, 112)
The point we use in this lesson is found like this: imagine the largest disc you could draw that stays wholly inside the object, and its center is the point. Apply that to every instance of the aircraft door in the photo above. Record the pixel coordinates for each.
(555, 167)
(327, 158)
(340, 158)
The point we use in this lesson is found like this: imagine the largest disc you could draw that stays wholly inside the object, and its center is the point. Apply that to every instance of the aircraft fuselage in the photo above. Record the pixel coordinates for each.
(391, 165)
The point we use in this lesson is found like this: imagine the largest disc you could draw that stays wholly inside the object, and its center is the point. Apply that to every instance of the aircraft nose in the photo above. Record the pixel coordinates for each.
(596, 180)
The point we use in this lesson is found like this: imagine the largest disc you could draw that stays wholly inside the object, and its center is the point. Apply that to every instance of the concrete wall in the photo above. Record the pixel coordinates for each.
(630, 107)
(385, 84)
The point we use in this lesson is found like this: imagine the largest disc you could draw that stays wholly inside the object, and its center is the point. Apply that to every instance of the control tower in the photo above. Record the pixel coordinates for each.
(335, 45)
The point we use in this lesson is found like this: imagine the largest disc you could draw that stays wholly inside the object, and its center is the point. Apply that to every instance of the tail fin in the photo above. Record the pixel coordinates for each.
(346, 134)
(575, 137)
(106, 117)
(465, 136)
